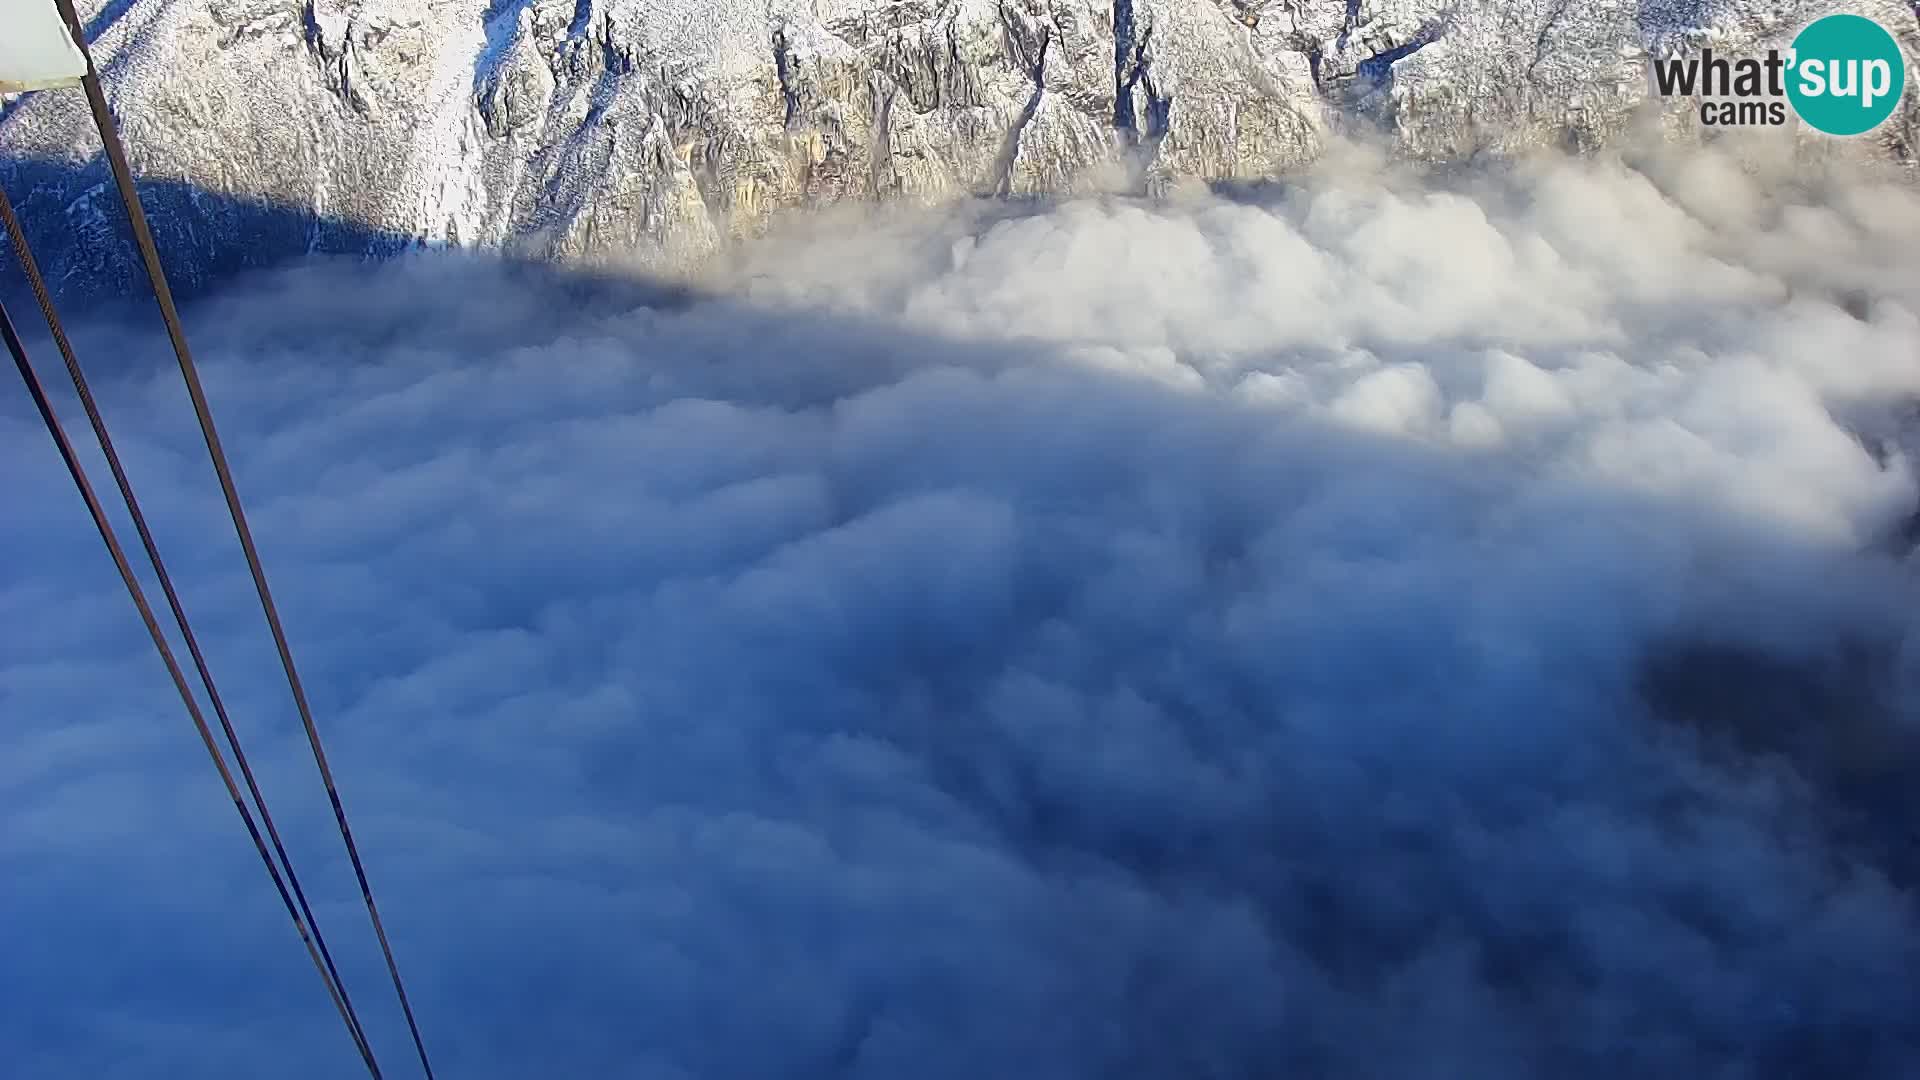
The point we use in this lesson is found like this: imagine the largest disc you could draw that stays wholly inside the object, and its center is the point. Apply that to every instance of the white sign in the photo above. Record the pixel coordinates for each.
(36, 51)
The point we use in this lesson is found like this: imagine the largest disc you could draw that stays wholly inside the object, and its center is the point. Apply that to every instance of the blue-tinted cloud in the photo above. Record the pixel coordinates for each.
(1386, 628)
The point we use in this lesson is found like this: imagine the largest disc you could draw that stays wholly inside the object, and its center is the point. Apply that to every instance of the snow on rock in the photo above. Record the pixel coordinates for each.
(655, 130)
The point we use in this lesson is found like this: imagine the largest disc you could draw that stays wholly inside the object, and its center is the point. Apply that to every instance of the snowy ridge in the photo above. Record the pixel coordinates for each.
(654, 130)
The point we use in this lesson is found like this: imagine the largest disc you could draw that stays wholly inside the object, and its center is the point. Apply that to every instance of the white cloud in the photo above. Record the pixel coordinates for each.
(1397, 626)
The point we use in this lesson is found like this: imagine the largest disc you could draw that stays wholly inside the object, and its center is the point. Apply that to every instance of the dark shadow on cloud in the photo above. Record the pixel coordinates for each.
(878, 671)
(1749, 709)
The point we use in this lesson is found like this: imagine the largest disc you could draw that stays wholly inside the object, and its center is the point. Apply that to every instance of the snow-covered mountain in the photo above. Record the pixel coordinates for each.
(656, 129)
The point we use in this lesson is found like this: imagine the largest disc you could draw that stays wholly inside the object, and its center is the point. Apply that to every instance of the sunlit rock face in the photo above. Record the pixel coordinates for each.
(654, 130)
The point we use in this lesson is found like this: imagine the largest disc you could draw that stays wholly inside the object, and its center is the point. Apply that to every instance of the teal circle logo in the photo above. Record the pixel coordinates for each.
(1847, 74)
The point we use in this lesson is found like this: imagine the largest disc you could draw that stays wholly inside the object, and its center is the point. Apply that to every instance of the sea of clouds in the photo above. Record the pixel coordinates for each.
(1381, 625)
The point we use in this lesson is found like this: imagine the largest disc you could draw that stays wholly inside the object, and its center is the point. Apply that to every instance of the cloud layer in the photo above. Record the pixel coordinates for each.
(1384, 625)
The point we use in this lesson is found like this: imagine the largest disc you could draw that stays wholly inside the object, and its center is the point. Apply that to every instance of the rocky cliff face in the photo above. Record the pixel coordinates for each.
(656, 129)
